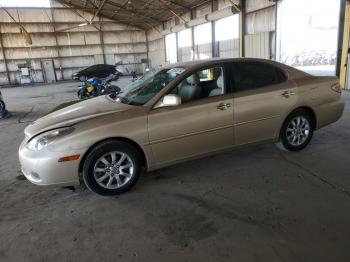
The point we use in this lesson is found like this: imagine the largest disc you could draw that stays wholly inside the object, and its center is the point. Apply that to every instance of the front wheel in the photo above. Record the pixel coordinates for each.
(112, 167)
(82, 94)
(112, 90)
(297, 130)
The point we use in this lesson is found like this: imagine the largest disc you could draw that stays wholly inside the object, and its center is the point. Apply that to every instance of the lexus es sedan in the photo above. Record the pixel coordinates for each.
(100, 71)
(174, 114)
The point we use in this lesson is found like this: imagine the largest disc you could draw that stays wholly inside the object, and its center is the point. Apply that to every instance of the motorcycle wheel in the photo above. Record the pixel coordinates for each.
(82, 95)
(112, 90)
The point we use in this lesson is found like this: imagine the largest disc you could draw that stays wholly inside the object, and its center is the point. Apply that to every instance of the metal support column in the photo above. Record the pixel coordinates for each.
(214, 7)
(242, 27)
(193, 16)
(343, 42)
(52, 20)
(4, 57)
(102, 41)
(147, 49)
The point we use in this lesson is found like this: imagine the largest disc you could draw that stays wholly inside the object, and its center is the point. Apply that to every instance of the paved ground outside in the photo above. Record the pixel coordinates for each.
(254, 204)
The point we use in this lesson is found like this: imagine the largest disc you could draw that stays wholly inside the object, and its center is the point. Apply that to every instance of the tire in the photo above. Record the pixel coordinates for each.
(106, 177)
(82, 95)
(112, 90)
(82, 78)
(297, 130)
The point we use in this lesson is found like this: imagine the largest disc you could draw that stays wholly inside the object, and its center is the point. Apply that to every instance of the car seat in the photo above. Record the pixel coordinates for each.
(191, 89)
(219, 89)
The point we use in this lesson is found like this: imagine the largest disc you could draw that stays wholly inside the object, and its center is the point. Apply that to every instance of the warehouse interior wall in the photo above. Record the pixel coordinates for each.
(69, 50)
(83, 46)
(259, 33)
(263, 33)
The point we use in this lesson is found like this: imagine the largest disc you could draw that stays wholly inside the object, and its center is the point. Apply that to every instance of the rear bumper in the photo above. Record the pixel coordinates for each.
(329, 112)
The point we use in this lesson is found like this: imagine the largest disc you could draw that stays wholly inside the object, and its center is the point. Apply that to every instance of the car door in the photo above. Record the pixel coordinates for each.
(262, 97)
(197, 126)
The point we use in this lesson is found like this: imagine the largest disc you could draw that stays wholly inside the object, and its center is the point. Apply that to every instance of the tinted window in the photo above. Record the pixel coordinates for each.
(251, 75)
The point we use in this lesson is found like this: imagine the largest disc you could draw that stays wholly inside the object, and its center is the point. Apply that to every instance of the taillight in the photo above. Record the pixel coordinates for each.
(336, 87)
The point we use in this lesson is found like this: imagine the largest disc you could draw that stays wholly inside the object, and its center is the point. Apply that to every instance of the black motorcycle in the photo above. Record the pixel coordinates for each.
(95, 87)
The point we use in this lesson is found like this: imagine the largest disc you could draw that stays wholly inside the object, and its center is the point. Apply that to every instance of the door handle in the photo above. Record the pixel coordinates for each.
(223, 106)
(287, 94)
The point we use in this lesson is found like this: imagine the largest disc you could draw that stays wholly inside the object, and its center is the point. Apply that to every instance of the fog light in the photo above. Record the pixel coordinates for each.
(35, 176)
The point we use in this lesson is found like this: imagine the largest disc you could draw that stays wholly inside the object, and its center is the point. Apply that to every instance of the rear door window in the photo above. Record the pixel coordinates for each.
(252, 75)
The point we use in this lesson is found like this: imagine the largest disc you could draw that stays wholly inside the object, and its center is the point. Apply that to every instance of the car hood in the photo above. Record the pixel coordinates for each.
(75, 113)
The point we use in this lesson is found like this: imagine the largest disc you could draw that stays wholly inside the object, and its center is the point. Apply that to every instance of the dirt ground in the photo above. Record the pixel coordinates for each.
(254, 204)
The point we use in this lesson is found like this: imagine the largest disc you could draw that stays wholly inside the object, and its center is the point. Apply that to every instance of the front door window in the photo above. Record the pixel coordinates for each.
(201, 84)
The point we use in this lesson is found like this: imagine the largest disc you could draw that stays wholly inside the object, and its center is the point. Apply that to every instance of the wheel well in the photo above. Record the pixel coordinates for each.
(305, 108)
(123, 139)
(311, 112)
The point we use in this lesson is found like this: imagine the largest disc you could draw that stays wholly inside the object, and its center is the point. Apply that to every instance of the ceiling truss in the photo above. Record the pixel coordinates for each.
(144, 14)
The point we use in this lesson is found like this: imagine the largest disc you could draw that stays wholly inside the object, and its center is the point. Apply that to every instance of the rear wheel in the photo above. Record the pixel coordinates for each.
(112, 90)
(297, 130)
(112, 167)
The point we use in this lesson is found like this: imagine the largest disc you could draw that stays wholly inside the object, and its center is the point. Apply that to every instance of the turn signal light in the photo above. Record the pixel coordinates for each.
(336, 88)
(69, 158)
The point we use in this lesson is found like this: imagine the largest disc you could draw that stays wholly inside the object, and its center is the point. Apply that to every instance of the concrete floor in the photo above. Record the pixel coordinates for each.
(255, 204)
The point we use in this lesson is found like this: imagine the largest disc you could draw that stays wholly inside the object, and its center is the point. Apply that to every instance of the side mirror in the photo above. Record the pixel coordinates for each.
(169, 100)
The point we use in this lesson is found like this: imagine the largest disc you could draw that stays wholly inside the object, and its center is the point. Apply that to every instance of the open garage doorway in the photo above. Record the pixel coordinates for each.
(307, 35)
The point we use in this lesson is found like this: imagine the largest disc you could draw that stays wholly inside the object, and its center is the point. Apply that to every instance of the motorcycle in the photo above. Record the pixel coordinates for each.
(134, 76)
(95, 87)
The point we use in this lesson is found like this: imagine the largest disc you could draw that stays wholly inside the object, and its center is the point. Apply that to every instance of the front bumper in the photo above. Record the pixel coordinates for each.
(42, 167)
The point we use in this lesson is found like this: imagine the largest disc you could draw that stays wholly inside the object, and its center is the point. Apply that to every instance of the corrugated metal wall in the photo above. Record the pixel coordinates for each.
(260, 29)
(257, 45)
(185, 54)
(228, 48)
(259, 39)
(70, 51)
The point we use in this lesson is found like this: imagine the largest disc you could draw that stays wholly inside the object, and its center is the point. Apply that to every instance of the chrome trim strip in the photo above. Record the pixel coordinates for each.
(256, 120)
(208, 130)
(189, 134)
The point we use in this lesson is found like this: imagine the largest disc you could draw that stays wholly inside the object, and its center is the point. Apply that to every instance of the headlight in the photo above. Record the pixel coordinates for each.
(41, 141)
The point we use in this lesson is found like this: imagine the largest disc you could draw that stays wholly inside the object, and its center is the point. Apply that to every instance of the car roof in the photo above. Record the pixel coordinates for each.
(205, 62)
(190, 65)
(102, 65)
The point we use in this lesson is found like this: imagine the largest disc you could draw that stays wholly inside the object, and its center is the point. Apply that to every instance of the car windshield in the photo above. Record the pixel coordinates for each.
(147, 86)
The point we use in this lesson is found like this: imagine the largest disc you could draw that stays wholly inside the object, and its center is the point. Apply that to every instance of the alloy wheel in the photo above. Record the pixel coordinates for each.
(298, 130)
(113, 170)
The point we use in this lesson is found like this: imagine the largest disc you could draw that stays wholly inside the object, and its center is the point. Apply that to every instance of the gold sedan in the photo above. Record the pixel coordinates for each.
(181, 112)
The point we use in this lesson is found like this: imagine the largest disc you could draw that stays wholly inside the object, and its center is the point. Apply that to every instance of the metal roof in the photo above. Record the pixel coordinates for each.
(144, 14)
